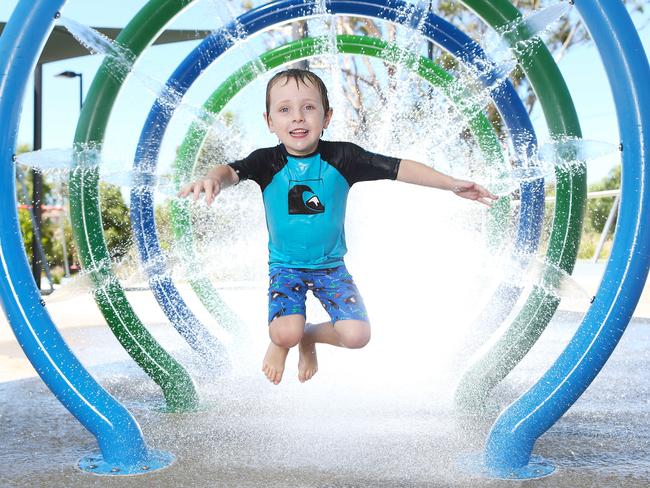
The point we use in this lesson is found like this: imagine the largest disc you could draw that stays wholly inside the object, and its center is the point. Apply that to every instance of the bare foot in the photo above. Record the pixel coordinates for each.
(308, 362)
(273, 365)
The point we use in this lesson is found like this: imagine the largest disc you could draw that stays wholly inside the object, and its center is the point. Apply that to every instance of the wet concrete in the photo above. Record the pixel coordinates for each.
(364, 421)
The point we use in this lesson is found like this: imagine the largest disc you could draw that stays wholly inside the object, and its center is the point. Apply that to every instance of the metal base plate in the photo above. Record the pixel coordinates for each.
(94, 463)
(537, 467)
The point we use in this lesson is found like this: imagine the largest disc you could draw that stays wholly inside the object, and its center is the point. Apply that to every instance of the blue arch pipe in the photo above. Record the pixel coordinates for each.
(184, 321)
(435, 28)
(511, 439)
(117, 432)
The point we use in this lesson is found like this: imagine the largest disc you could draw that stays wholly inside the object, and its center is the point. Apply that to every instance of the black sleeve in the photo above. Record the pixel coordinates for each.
(259, 166)
(356, 164)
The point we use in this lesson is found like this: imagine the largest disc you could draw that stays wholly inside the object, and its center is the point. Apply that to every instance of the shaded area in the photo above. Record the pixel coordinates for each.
(62, 45)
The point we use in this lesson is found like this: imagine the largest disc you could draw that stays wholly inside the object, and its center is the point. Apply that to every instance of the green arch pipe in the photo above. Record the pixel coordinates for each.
(525, 329)
(177, 386)
(291, 52)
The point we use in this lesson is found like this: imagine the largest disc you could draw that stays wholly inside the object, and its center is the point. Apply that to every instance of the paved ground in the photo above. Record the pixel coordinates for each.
(362, 423)
(588, 276)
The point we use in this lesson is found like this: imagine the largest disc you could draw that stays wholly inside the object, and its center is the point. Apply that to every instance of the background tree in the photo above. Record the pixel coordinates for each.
(358, 72)
(599, 208)
(51, 246)
(115, 221)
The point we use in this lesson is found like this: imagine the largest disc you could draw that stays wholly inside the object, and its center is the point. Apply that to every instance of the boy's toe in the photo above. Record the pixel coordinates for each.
(277, 377)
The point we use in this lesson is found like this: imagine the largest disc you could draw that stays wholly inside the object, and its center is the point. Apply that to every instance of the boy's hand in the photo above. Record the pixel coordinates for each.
(473, 191)
(211, 188)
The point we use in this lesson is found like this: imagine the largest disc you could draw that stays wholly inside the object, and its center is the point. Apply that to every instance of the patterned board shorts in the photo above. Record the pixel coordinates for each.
(334, 287)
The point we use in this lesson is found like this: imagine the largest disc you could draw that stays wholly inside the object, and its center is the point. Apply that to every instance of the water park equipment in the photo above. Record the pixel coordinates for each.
(510, 444)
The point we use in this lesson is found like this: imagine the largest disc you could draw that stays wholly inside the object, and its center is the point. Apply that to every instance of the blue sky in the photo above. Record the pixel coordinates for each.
(581, 67)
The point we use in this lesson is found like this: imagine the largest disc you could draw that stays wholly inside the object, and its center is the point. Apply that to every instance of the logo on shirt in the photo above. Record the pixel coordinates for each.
(303, 200)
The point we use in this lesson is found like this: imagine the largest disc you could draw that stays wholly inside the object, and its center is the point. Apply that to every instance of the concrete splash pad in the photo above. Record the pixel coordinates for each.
(360, 422)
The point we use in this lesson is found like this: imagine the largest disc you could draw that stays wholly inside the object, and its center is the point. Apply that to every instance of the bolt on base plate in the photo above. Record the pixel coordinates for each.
(94, 463)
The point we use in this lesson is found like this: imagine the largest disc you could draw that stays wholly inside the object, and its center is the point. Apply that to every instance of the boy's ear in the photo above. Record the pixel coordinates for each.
(269, 122)
(327, 119)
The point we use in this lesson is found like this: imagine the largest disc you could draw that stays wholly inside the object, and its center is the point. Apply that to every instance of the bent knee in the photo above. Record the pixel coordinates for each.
(285, 336)
(355, 336)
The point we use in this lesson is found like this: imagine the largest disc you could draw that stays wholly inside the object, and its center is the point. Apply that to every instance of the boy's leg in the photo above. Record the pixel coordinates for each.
(352, 334)
(285, 332)
(286, 319)
(340, 297)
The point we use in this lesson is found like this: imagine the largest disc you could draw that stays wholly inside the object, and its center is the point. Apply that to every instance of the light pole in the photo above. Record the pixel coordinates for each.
(74, 74)
(70, 74)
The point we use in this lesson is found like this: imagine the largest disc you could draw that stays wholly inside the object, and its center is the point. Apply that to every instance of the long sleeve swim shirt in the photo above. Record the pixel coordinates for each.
(305, 198)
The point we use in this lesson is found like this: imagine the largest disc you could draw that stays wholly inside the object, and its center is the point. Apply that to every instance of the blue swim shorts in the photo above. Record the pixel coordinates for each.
(334, 287)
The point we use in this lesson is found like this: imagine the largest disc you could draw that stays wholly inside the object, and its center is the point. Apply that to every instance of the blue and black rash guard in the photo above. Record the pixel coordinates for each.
(305, 198)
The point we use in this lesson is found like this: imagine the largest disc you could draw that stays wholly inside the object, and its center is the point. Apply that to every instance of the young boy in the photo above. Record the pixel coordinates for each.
(304, 183)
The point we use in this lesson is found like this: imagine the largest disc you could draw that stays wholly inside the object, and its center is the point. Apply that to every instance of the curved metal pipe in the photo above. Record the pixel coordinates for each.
(117, 433)
(85, 215)
(510, 343)
(511, 440)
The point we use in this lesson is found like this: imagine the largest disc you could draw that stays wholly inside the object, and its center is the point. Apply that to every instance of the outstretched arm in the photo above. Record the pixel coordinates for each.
(421, 174)
(217, 179)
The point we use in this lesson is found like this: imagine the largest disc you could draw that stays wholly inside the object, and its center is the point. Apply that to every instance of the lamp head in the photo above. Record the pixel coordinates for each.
(68, 74)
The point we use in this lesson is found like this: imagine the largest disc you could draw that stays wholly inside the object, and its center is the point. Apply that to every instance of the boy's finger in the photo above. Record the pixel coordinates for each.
(487, 193)
(197, 190)
(209, 186)
(183, 191)
(485, 201)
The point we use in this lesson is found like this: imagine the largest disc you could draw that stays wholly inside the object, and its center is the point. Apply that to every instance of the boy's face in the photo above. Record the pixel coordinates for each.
(296, 115)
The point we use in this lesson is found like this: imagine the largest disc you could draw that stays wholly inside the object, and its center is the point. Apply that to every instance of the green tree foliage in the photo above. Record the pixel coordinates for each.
(115, 220)
(163, 225)
(24, 186)
(599, 208)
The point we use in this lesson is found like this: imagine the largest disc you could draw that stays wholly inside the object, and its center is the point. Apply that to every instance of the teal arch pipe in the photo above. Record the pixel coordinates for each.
(119, 437)
(188, 151)
(512, 438)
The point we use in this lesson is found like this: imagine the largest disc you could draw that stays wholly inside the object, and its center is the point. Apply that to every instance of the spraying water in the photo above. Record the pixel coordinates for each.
(227, 14)
(390, 128)
(120, 64)
(504, 46)
(567, 154)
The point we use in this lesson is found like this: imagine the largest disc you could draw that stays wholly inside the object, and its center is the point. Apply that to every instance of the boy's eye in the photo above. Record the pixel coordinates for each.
(309, 107)
(284, 109)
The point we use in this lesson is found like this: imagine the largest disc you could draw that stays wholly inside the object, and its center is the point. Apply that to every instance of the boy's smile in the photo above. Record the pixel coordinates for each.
(297, 116)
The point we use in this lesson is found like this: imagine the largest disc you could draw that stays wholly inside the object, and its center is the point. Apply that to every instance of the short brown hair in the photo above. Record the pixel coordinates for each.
(300, 76)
